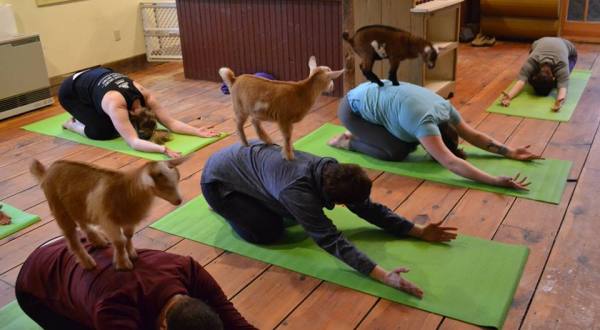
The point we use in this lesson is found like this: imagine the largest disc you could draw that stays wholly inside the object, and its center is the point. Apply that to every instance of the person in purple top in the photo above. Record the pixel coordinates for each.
(163, 291)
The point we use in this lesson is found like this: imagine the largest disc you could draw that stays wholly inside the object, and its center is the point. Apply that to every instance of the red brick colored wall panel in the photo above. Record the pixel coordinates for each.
(275, 36)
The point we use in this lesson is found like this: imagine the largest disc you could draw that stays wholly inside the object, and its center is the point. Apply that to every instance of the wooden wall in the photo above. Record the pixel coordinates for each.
(275, 36)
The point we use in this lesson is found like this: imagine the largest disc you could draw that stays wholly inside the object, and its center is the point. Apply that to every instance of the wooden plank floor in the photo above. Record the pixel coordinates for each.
(559, 289)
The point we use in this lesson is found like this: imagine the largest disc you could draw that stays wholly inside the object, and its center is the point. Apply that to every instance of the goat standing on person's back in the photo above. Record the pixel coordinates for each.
(376, 42)
(88, 196)
(284, 102)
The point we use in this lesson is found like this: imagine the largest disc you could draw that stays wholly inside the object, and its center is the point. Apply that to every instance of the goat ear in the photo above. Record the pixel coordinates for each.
(172, 163)
(312, 63)
(335, 74)
(147, 179)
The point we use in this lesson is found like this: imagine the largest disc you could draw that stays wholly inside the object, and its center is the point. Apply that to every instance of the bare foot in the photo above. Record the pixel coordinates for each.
(69, 124)
(342, 141)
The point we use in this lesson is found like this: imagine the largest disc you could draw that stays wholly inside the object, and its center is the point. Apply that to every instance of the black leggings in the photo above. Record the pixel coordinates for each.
(371, 139)
(37, 310)
(248, 217)
(98, 126)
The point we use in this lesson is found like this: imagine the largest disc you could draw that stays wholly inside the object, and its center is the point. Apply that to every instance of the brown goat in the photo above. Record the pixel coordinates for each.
(284, 102)
(376, 42)
(116, 201)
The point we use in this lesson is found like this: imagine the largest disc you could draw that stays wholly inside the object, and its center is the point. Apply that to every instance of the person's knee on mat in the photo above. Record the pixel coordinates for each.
(260, 236)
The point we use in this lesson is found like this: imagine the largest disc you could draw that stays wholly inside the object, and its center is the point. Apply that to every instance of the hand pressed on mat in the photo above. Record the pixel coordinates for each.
(505, 101)
(395, 280)
(171, 153)
(4, 218)
(557, 105)
(522, 153)
(433, 232)
(514, 183)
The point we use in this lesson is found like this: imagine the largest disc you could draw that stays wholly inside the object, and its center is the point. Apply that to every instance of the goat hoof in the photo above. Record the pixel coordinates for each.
(98, 241)
(124, 265)
(380, 84)
(395, 83)
(132, 253)
(288, 156)
(88, 263)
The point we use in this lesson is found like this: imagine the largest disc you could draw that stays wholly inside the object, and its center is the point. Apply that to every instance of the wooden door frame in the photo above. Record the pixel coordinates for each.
(576, 30)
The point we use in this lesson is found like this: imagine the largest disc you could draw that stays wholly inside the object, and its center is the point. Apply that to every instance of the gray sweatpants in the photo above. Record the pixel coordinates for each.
(371, 139)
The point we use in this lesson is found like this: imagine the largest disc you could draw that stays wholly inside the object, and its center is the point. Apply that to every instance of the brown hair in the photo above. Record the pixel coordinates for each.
(450, 138)
(145, 124)
(346, 183)
(192, 313)
(542, 80)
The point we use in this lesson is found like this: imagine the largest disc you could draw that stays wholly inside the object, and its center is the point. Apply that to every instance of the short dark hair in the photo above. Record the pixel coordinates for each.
(542, 81)
(191, 313)
(346, 183)
(450, 138)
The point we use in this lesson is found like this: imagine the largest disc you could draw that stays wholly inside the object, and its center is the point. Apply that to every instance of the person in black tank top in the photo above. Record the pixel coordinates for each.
(106, 104)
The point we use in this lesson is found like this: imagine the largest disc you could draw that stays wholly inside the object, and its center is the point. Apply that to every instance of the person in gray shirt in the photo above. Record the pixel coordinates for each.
(254, 189)
(549, 65)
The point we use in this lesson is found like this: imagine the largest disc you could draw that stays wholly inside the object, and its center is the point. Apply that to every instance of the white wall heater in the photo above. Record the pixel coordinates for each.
(24, 84)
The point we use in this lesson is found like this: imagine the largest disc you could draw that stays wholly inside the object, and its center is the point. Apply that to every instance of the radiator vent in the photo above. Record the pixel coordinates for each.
(24, 99)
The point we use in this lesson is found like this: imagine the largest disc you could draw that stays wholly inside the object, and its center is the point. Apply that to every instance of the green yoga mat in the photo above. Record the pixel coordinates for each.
(527, 104)
(13, 318)
(19, 220)
(548, 177)
(470, 279)
(182, 143)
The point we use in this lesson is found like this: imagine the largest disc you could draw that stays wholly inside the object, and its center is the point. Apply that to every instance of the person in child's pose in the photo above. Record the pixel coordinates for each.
(254, 189)
(551, 60)
(389, 122)
(106, 104)
(164, 291)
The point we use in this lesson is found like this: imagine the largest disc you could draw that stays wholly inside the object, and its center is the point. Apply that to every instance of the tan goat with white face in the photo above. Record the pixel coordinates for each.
(284, 102)
(88, 196)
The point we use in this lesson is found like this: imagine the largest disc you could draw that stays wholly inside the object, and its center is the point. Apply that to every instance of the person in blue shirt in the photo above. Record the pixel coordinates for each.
(389, 122)
(254, 190)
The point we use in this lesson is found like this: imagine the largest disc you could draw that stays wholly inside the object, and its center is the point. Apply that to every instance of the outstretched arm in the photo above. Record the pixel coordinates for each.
(171, 123)
(120, 119)
(512, 93)
(485, 142)
(436, 148)
(560, 98)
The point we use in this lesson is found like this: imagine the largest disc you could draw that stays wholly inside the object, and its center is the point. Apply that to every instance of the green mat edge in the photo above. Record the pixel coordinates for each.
(131, 152)
(525, 250)
(557, 195)
(22, 224)
(24, 322)
(507, 112)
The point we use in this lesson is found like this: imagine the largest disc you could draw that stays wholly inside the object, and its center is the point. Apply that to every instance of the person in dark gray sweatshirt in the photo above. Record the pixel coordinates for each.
(254, 189)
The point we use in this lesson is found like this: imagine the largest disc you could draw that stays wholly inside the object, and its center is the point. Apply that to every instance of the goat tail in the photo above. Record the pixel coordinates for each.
(227, 76)
(346, 36)
(37, 169)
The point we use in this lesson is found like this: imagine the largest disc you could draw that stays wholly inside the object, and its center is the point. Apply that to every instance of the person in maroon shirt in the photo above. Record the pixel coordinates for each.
(164, 290)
